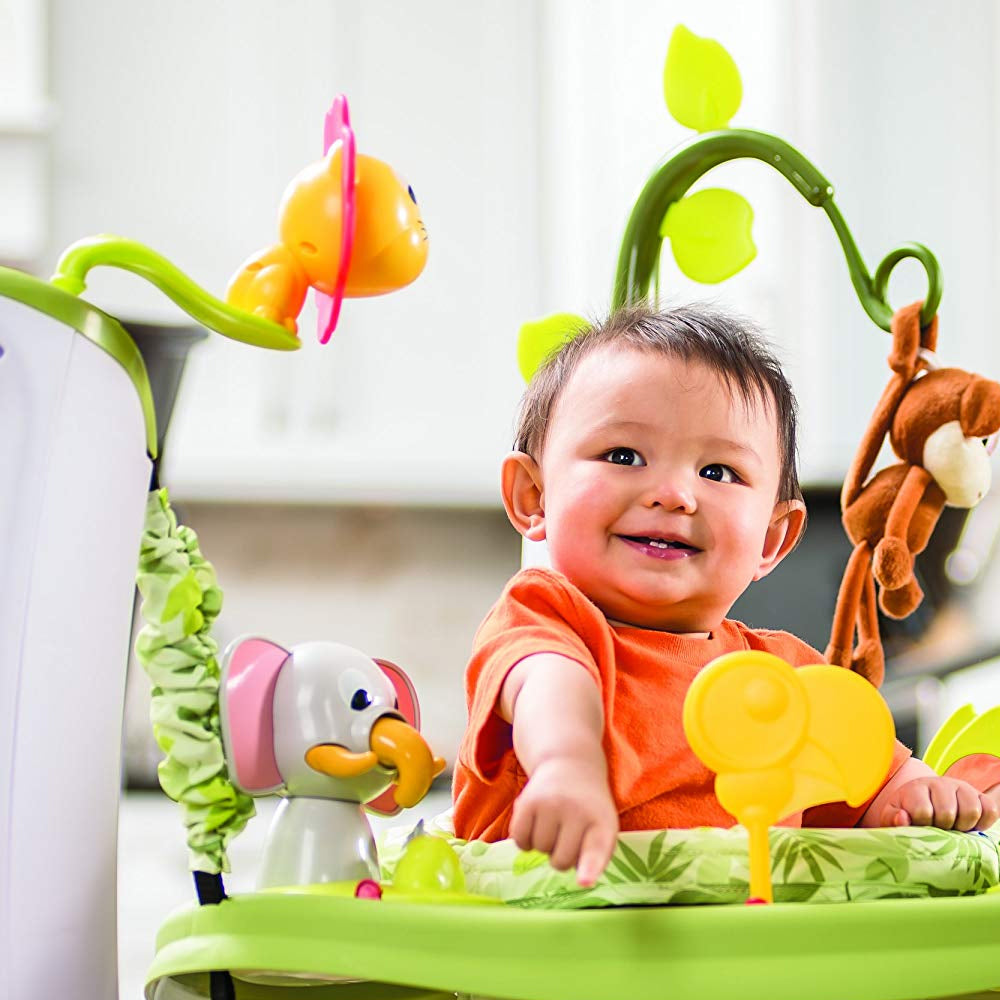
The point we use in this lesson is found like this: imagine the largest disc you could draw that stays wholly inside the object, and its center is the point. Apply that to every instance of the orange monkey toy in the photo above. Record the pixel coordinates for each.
(348, 225)
(941, 423)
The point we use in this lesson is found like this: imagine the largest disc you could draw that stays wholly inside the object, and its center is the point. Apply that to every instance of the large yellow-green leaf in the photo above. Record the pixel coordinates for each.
(710, 234)
(964, 734)
(537, 339)
(701, 83)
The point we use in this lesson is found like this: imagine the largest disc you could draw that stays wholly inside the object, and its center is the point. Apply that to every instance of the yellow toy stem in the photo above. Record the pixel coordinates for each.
(757, 827)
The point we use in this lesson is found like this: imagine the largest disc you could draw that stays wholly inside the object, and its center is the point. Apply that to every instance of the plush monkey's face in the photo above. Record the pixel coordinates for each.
(960, 465)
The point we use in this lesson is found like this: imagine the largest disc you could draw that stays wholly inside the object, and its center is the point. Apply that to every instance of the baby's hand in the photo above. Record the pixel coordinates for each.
(947, 803)
(566, 811)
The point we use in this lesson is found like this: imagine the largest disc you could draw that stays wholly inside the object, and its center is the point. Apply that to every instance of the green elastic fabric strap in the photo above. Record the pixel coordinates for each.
(640, 248)
(114, 251)
(99, 328)
(180, 602)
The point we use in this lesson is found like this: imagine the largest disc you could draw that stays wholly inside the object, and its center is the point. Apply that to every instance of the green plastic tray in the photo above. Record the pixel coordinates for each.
(297, 945)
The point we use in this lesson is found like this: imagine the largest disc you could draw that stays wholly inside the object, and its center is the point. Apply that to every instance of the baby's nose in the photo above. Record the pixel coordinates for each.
(672, 494)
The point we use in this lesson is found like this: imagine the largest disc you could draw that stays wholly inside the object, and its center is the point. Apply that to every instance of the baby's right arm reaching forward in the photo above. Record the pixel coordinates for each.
(566, 809)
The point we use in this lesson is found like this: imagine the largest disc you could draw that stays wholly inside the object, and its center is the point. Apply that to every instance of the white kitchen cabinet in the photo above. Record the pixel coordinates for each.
(526, 128)
(412, 400)
(25, 120)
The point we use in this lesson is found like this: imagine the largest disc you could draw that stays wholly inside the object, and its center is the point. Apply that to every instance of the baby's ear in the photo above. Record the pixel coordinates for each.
(788, 521)
(521, 485)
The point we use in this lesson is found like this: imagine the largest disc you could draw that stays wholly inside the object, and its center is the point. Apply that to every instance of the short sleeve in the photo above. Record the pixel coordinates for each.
(789, 647)
(539, 612)
(981, 770)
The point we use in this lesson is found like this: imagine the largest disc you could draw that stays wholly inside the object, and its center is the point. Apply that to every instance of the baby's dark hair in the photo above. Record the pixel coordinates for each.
(730, 346)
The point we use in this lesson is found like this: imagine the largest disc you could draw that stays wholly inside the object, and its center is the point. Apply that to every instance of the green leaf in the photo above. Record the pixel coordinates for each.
(825, 855)
(675, 872)
(701, 83)
(665, 863)
(710, 234)
(778, 853)
(539, 338)
(623, 867)
(655, 850)
(793, 856)
(815, 868)
(634, 860)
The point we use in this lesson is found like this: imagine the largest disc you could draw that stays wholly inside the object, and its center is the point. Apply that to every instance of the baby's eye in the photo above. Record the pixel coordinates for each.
(719, 473)
(624, 456)
(990, 443)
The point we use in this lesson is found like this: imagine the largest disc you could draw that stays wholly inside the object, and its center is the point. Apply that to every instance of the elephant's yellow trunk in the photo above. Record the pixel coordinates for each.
(398, 745)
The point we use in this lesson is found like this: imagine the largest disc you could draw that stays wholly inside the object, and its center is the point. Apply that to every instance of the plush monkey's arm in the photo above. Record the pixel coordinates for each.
(892, 561)
(905, 504)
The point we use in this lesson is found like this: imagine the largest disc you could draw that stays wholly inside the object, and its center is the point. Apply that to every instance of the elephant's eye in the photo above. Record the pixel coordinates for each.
(361, 699)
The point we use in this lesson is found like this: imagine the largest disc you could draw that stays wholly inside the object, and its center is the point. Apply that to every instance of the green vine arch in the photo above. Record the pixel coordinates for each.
(641, 245)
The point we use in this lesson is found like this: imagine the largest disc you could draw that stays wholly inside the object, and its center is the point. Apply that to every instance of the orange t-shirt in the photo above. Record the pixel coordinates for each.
(656, 779)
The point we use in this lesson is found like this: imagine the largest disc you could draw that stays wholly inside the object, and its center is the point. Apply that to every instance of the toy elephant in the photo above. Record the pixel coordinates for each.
(329, 729)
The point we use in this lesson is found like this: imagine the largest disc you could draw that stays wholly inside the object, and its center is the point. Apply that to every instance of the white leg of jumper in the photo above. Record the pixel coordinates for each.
(73, 480)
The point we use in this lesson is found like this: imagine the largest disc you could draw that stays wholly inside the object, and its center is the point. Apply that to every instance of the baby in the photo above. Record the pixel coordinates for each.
(655, 455)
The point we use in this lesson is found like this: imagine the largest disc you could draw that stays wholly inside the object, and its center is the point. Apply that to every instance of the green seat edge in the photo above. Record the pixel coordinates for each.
(878, 950)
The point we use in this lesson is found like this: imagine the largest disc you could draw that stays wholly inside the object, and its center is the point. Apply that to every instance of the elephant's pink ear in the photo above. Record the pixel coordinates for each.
(250, 671)
(406, 693)
(406, 700)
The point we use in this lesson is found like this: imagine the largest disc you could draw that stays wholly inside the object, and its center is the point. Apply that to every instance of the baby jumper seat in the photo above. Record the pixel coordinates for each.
(923, 917)
(898, 914)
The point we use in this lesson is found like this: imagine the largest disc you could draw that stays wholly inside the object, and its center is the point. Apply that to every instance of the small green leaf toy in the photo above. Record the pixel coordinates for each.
(710, 234)
(701, 83)
(538, 338)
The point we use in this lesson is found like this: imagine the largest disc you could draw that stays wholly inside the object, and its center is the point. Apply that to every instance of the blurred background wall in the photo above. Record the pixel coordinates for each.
(350, 492)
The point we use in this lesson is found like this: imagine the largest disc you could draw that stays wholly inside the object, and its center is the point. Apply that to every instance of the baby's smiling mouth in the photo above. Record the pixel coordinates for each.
(656, 545)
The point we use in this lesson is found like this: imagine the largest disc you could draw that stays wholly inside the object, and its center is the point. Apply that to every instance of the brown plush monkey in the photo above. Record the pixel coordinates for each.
(940, 423)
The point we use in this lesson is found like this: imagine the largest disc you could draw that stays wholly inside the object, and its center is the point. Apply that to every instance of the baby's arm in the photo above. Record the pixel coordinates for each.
(566, 808)
(916, 796)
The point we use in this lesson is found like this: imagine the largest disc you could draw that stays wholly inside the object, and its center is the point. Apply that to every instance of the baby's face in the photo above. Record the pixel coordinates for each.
(658, 489)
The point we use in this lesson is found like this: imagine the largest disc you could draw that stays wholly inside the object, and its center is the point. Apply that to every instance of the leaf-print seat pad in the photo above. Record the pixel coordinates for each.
(709, 865)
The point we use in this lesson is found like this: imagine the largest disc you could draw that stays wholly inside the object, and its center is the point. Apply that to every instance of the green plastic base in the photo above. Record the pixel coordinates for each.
(281, 946)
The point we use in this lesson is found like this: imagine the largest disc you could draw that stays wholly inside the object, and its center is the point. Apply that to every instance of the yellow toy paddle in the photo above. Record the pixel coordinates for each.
(782, 739)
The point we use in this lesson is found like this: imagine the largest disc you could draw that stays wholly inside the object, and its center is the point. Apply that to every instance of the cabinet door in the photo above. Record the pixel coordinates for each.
(24, 123)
